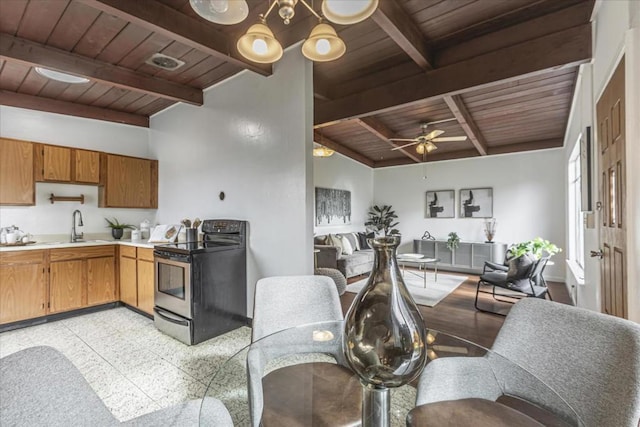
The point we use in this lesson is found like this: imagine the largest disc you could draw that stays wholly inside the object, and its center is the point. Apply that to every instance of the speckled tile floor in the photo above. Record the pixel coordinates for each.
(133, 367)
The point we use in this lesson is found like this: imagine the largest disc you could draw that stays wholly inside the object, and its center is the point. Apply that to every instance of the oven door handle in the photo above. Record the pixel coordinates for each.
(170, 317)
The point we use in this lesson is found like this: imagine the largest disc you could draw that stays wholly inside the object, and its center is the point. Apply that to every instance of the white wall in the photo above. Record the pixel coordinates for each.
(343, 173)
(616, 32)
(528, 198)
(252, 139)
(47, 218)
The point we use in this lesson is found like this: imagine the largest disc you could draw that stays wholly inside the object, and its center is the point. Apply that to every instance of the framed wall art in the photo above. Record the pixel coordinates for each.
(441, 204)
(333, 207)
(476, 203)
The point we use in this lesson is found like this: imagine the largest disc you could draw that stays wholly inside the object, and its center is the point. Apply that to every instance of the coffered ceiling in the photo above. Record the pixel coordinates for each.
(504, 69)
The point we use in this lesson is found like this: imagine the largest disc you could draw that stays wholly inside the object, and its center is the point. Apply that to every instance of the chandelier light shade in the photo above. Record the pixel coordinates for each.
(346, 12)
(323, 44)
(322, 151)
(425, 147)
(260, 45)
(226, 12)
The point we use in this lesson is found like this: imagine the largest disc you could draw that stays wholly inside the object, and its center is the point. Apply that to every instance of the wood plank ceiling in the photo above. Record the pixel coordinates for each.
(505, 70)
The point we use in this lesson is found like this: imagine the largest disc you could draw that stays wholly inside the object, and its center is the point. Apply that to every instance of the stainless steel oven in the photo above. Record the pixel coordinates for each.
(173, 285)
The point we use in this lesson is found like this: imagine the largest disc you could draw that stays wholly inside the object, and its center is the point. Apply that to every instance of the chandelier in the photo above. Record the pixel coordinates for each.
(322, 151)
(259, 44)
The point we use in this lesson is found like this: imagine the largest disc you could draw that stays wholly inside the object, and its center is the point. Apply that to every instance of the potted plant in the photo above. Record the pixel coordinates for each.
(537, 247)
(453, 241)
(117, 229)
(382, 219)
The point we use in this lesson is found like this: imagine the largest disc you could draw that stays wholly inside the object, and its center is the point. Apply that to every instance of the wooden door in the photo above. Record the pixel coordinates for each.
(17, 184)
(22, 286)
(610, 112)
(128, 281)
(146, 286)
(66, 284)
(56, 164)
(101, 280)
(86, 166)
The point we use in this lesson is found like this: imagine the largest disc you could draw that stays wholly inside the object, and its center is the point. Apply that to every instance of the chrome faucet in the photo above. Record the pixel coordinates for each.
(75, 236)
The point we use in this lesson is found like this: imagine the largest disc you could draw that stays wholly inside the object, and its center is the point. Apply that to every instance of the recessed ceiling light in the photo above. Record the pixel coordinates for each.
(61, 77)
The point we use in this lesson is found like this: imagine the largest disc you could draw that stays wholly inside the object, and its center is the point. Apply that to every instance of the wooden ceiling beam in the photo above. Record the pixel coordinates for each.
(527, 146)
(381, 131)
(38, 103)
(402, 29)
(35, 54)
(566, 48)
(193, 32)
(451, 155)
(460, 112)
(323, 140)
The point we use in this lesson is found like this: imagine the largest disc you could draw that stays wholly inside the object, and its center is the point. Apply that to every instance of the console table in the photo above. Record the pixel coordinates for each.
(469, 257)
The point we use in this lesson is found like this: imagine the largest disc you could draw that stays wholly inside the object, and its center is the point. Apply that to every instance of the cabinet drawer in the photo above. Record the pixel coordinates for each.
(22, 257)
(128, 251)
(82, 253)
(145, 254)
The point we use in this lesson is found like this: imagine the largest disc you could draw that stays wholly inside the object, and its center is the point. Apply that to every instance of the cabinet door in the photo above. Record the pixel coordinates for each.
(481, 253)
(443, 253)
(66, 283)
(87, 166)
(128, 281)
(463, 255)
(128, 182)
(22, 292)
(425, 247)
(101, 280)
(17, 184)
(56, 163)
(146, 286)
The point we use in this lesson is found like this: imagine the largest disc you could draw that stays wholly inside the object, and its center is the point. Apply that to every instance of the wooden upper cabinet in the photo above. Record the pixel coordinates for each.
(17, 184)
(64, 164)
(53, 163)
(86, 166)
(128, 182)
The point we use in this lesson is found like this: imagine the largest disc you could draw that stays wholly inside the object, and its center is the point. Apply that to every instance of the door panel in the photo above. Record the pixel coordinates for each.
(66, 284)
(610, 111)
(101, 280)
(22, 292)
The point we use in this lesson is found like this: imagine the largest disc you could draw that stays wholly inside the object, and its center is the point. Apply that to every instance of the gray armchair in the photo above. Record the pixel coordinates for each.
(590, 359)
(285, 302)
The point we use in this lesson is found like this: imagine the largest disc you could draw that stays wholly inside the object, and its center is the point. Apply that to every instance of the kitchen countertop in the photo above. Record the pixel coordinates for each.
(55, 244)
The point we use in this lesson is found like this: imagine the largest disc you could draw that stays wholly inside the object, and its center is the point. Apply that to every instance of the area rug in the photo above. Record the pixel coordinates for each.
(432, 295)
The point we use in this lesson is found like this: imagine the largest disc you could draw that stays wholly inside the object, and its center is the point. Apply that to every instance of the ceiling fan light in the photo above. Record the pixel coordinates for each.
(226, 12)
(322, 151)
(259, 45)
(323, 44)
(420, 148)
(346, 12)
(61, 77)
(430, 146)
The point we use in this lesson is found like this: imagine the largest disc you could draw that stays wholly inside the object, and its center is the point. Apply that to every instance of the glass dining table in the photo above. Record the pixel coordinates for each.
(306, 382)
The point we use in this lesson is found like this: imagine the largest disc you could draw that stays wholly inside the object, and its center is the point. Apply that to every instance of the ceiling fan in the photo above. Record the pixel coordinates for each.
(425, 142)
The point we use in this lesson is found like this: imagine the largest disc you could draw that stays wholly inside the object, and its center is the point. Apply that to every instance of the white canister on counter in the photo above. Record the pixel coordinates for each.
(145, 227)
(135, 234)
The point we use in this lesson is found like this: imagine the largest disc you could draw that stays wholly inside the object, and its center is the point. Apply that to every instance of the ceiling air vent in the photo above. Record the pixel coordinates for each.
(164, 62)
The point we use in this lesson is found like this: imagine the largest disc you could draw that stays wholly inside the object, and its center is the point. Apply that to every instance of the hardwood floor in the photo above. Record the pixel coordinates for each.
(457, 315)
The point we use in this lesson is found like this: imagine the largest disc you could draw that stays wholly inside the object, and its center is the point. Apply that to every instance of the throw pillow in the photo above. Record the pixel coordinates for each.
(357, 241)
(352, 241)
(320, 240)
(362, 237)
(520, 267)
(332, 240)
(346, 246)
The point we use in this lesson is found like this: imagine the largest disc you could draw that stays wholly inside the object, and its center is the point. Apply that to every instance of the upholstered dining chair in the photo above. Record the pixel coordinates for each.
(285, 302)
(591, 360)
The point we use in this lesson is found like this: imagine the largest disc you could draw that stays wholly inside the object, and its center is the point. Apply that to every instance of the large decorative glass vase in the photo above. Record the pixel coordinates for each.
(385, 334)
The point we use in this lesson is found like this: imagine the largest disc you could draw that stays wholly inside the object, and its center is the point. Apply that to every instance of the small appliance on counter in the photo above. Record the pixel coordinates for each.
(13, 236)
(201, 287)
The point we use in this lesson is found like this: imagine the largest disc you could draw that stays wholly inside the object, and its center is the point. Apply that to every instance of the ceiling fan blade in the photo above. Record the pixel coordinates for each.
(402, 146)
(434, 134)
(450, 139)
(402, 139)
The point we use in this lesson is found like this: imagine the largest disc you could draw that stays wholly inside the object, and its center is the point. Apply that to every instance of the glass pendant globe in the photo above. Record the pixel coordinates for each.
(323, 46)
(259, 46)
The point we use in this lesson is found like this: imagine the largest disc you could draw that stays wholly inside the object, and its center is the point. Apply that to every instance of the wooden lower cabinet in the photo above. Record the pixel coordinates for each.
(137, 277)
(101, 280)
(23, 286)
(66, 283)
(145, 286)
(128, 281)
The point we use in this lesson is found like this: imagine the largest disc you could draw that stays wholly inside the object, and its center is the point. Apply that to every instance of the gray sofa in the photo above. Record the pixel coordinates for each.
(39, 386)
(329, 256)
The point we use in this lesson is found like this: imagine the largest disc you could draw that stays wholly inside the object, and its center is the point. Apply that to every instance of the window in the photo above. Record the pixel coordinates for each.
(576, 219)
